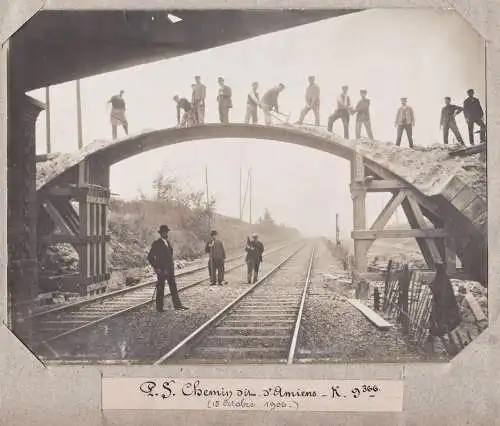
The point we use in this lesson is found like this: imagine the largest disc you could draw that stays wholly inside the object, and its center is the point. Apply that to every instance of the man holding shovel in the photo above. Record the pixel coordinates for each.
(216, 258)
(269, 103)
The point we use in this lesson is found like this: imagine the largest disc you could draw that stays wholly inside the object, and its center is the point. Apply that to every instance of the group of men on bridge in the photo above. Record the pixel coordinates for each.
(194, 111)
(161, 258)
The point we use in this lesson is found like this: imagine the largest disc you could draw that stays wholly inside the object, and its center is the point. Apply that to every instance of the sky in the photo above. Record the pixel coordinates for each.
(421, 54)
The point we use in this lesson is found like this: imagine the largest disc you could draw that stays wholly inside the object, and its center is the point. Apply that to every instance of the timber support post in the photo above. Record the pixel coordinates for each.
(358, 194)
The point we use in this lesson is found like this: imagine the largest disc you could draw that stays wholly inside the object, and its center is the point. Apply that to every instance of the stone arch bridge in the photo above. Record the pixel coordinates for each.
(443, 198)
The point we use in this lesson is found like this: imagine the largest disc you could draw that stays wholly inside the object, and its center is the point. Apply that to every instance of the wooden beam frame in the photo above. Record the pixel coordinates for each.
(380, 185)
(58, 219)
(420, 221)
(398, 233)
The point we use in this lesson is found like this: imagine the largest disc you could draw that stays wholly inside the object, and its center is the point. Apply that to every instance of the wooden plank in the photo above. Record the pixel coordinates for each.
(385, 185)
(371, 315)
(475, 307)
(453, 187)
(388, 211)
(465, 197)
(419, 217)
(477, 207)
(398, 233)
(412, 220)
(57, 218)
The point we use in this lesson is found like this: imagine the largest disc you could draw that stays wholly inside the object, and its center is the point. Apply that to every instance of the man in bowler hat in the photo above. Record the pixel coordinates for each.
(161, 258)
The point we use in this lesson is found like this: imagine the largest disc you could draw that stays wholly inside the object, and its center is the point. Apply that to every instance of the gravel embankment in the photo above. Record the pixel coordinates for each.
(145, 335)
(334, 331)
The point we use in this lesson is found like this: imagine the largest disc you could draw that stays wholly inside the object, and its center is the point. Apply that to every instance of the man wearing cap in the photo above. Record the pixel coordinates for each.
(216, 258)
(161, 258)
(117, 115)
(342, 112)
(448, 121)
(405, 120)
(254, 249)
(312, 102)
(253, 102)
(199, 94)
(224, 99)
(474, 114)
(362, 112)
(269, 102)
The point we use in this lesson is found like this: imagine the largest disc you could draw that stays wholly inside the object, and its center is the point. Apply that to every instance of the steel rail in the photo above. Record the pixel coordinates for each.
(293, 344)
(131, 289)
(46, 342)
(224, 310)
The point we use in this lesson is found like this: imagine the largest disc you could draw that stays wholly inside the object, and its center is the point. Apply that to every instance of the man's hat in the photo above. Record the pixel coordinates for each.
(404, 99)
(255, 234)
(213, 233)
(163, 228)
(197, 76)
(363, 91)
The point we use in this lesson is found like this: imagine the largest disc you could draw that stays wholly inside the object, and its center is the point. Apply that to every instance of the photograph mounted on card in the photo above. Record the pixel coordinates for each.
(247, 186)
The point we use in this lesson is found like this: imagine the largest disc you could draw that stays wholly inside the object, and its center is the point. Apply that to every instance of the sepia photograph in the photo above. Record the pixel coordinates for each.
(247, 186)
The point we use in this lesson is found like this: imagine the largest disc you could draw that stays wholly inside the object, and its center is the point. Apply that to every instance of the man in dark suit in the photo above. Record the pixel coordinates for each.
(216, 258)
(161, 258)
(254, 251)
(474, 114)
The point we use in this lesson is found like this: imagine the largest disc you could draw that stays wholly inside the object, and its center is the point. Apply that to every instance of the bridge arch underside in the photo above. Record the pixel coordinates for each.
(450, 234)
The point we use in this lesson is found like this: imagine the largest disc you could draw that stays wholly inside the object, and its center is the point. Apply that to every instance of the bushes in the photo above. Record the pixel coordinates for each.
(133, 226)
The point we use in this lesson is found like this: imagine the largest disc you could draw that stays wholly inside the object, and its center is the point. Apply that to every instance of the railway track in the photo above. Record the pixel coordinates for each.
(58, 323)
(261, 324)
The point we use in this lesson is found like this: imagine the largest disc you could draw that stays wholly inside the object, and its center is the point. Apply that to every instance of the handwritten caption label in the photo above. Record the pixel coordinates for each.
(251, 394)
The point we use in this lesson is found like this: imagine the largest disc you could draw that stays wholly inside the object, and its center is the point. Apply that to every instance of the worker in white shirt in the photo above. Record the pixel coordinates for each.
(405, 121)
(253, 103)
(342, 112)
(312, 102)
(198, 101)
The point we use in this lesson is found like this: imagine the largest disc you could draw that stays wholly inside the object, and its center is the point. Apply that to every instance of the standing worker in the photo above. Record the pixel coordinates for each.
(312, 102)
(199, 95)
(405, 120)
(224, 99)
(269, 102)
(117, 116)
(254, 251)
(216, 258)
(448, 122)
(161, 258)
(362, 112)
(474, 114)
(342, 112)
(188, 116)
(253, 103)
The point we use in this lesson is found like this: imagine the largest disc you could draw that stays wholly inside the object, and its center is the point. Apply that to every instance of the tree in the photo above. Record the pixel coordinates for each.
(267, 219)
